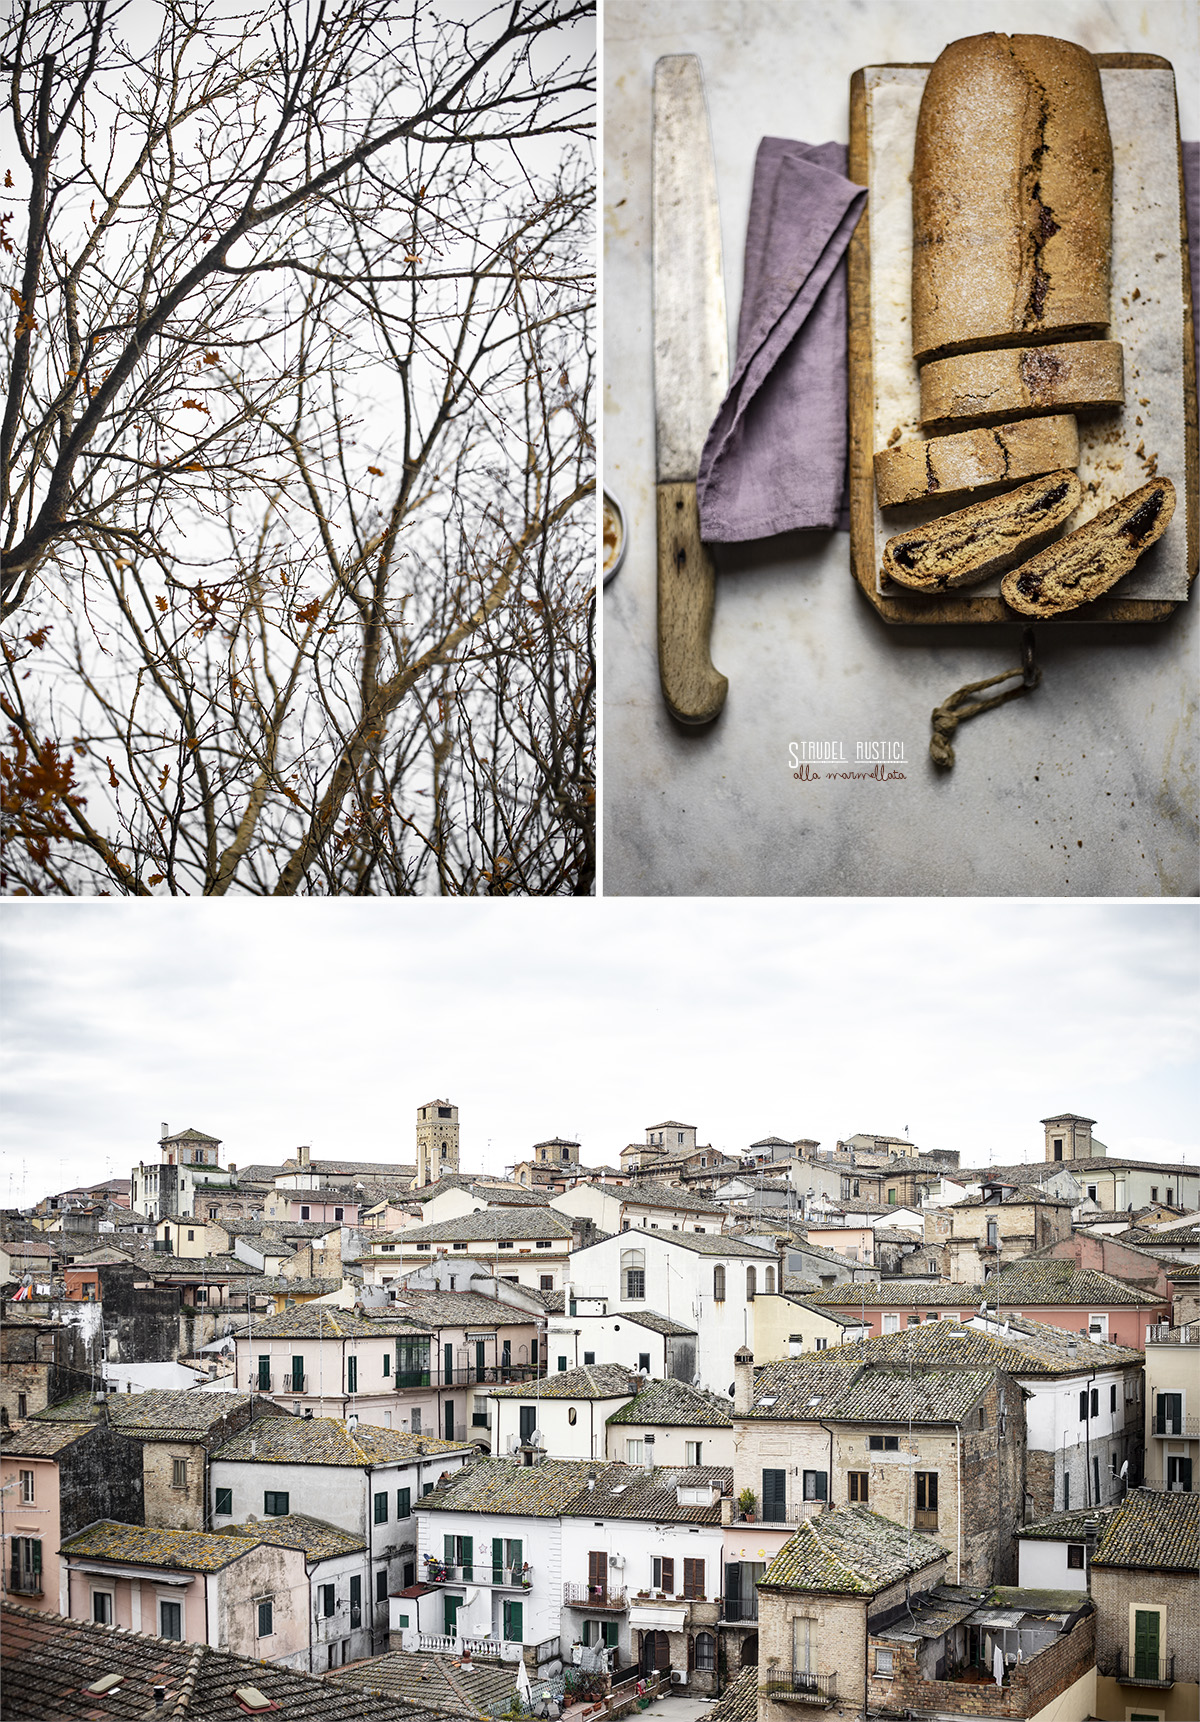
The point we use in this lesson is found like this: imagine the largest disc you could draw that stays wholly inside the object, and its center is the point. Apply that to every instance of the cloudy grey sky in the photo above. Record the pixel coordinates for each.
(274, 1024)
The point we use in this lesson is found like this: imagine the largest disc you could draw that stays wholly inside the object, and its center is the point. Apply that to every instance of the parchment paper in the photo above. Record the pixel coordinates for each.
(1119, 450)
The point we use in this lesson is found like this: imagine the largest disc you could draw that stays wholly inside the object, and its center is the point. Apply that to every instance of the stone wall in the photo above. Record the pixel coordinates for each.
(1032, 1685)
(1116, 1590)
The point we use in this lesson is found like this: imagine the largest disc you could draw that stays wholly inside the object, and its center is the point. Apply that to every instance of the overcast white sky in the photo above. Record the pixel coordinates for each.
(274, 1024)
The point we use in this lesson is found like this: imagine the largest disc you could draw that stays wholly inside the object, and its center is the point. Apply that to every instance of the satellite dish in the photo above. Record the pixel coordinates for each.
(514, 1442)
(535, 1440)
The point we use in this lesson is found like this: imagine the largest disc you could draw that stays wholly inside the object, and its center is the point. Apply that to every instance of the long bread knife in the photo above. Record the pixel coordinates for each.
(691, 374)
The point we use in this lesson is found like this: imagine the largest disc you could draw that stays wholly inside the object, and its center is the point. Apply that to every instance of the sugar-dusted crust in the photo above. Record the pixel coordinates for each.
(1012, 196)
(960, 548)
(1019, 382)
(1087, 563)
(947, 466)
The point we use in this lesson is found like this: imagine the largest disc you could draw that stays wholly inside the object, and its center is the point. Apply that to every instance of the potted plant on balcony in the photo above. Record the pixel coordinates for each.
(747, 1501)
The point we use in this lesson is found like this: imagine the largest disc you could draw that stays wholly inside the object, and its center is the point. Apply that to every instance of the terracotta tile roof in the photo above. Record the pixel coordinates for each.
(708, 1243)
(48, 1660)
(651, 1195)
(1066, 1527)
(316, 1321)
(456, 1309)
(329, 1441)
(145, 1545)
(1153, 1531)
(739, 1702)
(487, 1686)
(168, 1412)
(316, 1537)
(659, 1324)
(484, 1226)
(589, 1381)
(675, 1403)
(626, 1492)
(1028, 1348)
(850, 1550)
(891, 1396)
(1044, 1283)
(500, 1486)
(42, 1440)
(797, 1386)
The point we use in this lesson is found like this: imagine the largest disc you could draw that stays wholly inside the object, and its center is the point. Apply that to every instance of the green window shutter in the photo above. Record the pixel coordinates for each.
(514, 1616)
(468, 1557)
(449, 1551)
(610, 1634)
(1146, 1643)
(403, 1503)
(35, 1549)
(387, 1363)
(774, 1495)
(516, 1553)
(352, 1375)
(297, 1373)
(497, 1560)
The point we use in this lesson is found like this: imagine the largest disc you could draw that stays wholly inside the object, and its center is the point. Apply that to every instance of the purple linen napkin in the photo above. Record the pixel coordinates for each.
(775, 458)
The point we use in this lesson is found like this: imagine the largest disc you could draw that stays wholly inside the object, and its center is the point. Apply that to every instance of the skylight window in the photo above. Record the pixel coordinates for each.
(761, 1404)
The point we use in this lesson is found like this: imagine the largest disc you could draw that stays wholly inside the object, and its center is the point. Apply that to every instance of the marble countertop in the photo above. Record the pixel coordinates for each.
(1085, 787)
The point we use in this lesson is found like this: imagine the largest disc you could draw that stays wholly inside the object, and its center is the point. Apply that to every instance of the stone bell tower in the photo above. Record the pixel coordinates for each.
(437, 1141)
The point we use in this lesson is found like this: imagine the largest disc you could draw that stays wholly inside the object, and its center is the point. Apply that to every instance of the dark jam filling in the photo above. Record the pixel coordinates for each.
(906, 555)
(1141, 522)
(1029, 585)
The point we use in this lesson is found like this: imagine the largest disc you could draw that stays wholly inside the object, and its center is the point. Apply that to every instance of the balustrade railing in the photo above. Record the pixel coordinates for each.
(593, 1596)
(800, 1687)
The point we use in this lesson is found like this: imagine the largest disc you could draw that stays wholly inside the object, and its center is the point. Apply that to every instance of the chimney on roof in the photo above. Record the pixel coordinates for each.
(743, 1381)
(165, 1133)
(302, 1155)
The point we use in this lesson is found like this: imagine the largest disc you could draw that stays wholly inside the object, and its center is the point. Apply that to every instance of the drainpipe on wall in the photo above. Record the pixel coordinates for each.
(958, 1489)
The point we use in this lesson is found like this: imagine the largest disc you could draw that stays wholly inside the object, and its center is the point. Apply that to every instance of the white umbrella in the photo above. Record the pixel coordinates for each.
(523, 1687)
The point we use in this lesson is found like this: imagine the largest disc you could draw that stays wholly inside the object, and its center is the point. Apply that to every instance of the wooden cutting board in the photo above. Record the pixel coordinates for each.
(866, 538)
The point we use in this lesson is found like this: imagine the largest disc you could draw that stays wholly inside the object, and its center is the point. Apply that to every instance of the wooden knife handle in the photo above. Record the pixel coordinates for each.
(693, 689)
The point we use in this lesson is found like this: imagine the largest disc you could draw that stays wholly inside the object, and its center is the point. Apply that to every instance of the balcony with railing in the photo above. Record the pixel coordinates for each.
(594, 1596)
(295, 1384)
(1168, 1428)
(22, 1582)
(1163, 1334)
(1142, 1669)
(503, 1374)
(800, 1687)
(479, 1573)
(736, 1609)
(260, 1382)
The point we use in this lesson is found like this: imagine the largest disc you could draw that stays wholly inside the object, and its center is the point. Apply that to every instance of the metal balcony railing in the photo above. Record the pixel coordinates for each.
(593, 1596)
(25, 1583)
(1142, 1670)
(1163, 1334)
(295, 1384)
(800, 1687)
(493, 1374)
(1176, 1426)
(480, 1572)
(737, 1608)
(260, 1383)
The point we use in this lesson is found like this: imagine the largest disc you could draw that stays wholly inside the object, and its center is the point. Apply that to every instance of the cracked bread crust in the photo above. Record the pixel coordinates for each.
(948, 466)
(1089, 562)
(1012, 196)
(981, 539)
(1016, 382)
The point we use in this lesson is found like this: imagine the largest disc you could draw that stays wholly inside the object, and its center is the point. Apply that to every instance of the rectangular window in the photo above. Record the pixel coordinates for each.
(927, 1500)
(562, 1366)
(883, 1443)
(179, 1473)
(1112, 1397)
(891, 1324)
(327, 1599)
(304, 1212)
(403, 1503)
(170, 1620)
(545, 1282)
(804, 1646)
(352, 1375)
(356, 1600)
(883, 1662)
(22, 1405)
(1083, 1405)
(506, 1243)
(693, 1578)
(544, 1243)
(816, 1485)
(1146, 1641)
(858, 1485)
(275, 1503)
(633, 1452)
(381, 1585)
(589, 1357)
(102, 1607)
(514, 1617)
(26, 1487)
(1169, 1415)
(664, 1574)
(644, 1361)
(774, 1496)
(381, 1507)
(1075, 1555)
(691, 1452)
(224, 1501)
(822, 1344)
(1095, 1402)
(266, 1619)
